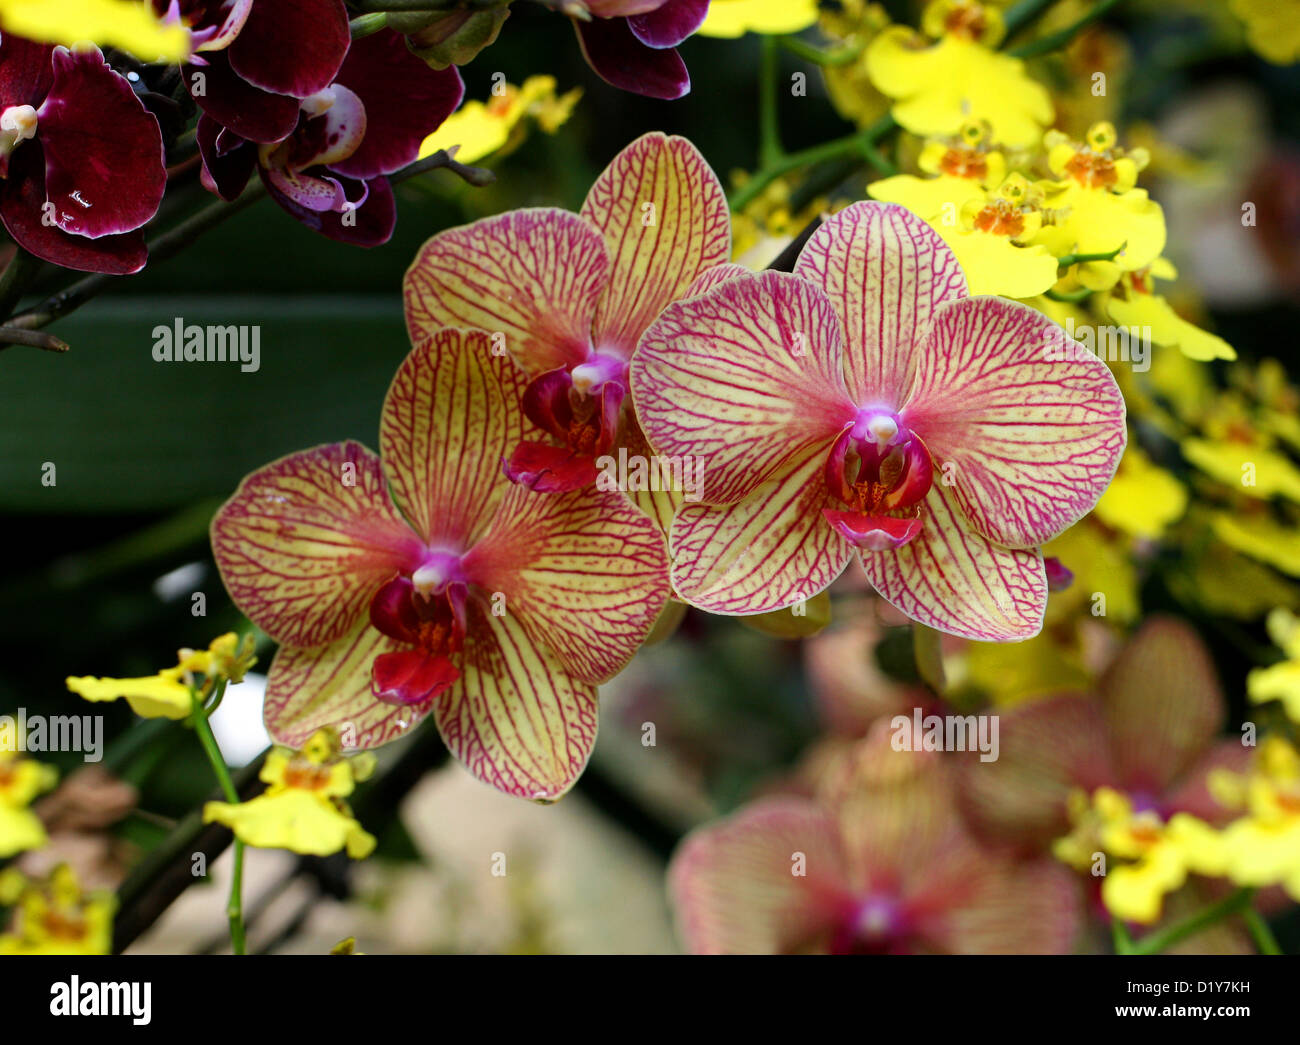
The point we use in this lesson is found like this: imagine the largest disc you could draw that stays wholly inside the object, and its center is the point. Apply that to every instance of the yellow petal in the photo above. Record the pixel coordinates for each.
(930, 198)
(1168, 328)
(294, 819)
(995, 265)
(1142, 499)
(732, 18)
(1254, 470)
(127, 24)
(1261, 539)
(20, 830)
(158, 696)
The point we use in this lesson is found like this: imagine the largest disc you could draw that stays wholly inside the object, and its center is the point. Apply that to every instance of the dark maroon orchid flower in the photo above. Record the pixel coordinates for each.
(254, 62)
(329, 170)
(80, 156)
(632, 43)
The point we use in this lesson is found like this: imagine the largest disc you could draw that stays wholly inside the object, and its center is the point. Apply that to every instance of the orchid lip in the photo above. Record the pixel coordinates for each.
(17, 125)
(439, 569)
(590, 377)
(878, 425)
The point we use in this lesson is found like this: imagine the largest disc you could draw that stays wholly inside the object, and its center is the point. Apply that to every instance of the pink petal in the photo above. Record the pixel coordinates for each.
(451, 414)
(549, 469)
(886, 271)
(225, 173)
(764, 553)
(710, 278)
(249, 112)
(307, 540)
(22, 209)
(1163, 704)
(670, 23)
(405, 102)
(368, 224)
(746, 378)
(292, 47)
(665, 221)
(531, 276)
(516, 719)
(585, 573)
(873, 532)
(954, 580)
(1033, 437)
(104, 170)
(411, 678)
(733, 890)
(309, 689)
(619, 58)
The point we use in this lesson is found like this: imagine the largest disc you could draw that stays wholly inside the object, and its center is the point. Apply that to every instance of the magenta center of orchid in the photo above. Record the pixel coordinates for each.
(881, 472)
(590, 378)
(878, 924)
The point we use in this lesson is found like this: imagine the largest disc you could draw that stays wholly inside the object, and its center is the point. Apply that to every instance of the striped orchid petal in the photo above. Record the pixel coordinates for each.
(1030, 431)
(517, 719)
(664, 218)
(765, 553)
(305, 541)
(451, 414)
(584, 573)
(311, 688)
(886, 271)
(953, 579)
(733, 889)
(531, 276)
(747, 378)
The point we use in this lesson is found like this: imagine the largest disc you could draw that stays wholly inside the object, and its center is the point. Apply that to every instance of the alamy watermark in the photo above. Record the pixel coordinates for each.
(637, 473)
(946, 733)
(183, 342)
(1130, 345)
(45, 733)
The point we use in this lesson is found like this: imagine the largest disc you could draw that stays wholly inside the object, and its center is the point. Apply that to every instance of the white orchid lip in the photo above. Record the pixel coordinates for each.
(320, 102)
(18, 123)
(591, 376)
(437, 571)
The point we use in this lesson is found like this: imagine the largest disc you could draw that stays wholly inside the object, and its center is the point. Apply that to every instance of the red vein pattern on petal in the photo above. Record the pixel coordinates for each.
(719, 274)
(1163, 704)
(765, 553)
(305, 542)
(885, 271)
(516, 719)
(1035, 430)
(954, 580)
(665, 220)
(747, 377)
(308, 689)
(585, 573)
(732, 887)
(452, 412)
(532, 275)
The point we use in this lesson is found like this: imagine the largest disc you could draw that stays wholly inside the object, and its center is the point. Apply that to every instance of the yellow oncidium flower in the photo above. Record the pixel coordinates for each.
(1261, 538)
(483, 129)
(54, 915)
(732, 18)
(1272, 28)
(1143, 499)
(1280, 681)
(962, 168)
(959, 77)
(992, 239)
(1095, 209)
(1156, 855)
(168, 693)
(1263, 847)
(302, 809)
(21, 780)
(130, 25)
(1133, 303)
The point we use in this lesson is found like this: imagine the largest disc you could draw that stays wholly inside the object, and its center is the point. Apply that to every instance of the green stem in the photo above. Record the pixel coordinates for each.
(1119, 934)
(1161, 940)
(1052, 41)
(825, 59)
(1021, 14)
(851, 145)
(1074, 259)
(1070, 297)
(235, 905)
(367, 25)
(1265, 941)
(770, 150)
(16, 278)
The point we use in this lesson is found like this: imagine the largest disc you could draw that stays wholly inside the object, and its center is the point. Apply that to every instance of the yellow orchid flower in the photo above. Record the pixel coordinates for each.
(21, 780)
(1261, 538)
(733, 18)
(1095, 209)
(1272, 28)
(130, 25)
(1143, 499)
(1133, 303)
(1263, 847)
(962, 168)
(302, 809)
(1251, 466)
(482, 129)
(1280, 681)
(55, 916)
(168, 693)
(959, 77)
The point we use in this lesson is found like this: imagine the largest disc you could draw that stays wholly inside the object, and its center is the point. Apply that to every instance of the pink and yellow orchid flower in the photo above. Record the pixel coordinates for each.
(456, 594)
(569, 295)
(866, 407)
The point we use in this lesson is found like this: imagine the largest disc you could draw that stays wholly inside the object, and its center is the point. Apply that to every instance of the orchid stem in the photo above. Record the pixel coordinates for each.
(16, 278)
(826, 59)
(1052, 41)
(202, 727)
(769, 131)
(1161, 940)
(1265, 941)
